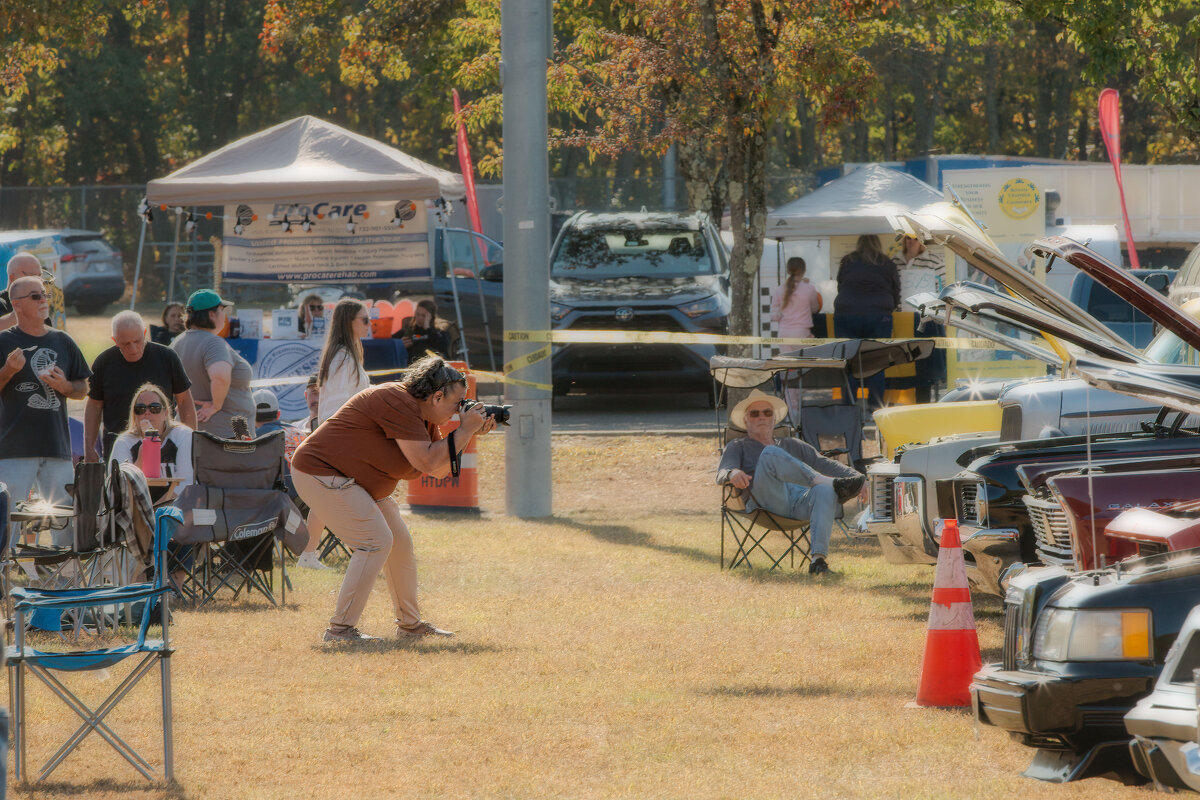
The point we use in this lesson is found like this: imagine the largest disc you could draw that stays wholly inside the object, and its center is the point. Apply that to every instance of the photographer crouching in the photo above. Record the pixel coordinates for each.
(347, 469)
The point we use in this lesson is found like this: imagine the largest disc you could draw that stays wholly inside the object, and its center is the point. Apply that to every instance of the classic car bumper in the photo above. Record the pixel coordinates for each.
(1164, 745)
(897, 515)
(1055, 710)
(993, 551)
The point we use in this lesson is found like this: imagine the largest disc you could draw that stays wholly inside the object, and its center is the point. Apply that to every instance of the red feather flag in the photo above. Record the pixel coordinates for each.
(468, 173)
(1110, 130)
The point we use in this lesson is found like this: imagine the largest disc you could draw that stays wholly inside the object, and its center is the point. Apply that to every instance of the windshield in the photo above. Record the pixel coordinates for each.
(616, 253)
(1167, 348)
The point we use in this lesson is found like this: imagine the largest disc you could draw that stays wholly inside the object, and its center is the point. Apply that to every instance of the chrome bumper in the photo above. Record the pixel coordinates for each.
(993, 551)
(903, 537)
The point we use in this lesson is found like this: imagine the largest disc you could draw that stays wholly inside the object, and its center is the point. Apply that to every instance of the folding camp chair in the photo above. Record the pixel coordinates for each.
(234, 513)
(752, 530)
(25, 659)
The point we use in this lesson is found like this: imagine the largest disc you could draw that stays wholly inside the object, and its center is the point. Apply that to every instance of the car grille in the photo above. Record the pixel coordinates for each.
(1012, 626)
(1052, 534)
(1010, 423)
(647, 321)
(881, 498)
(968, 504)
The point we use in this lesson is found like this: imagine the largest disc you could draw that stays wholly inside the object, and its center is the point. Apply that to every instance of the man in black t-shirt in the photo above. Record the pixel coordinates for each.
(120, 371)
(42, 368)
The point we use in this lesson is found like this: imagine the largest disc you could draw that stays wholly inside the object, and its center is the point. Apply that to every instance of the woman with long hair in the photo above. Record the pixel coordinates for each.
(792, 307)
(311, 306)
(340, 376)
(151, 410)
(868, 293)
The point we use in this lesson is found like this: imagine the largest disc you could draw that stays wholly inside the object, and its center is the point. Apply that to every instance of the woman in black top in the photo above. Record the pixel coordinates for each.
(868, 293)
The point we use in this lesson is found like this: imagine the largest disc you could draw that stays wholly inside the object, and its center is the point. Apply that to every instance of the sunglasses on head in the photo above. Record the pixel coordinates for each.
(142, 408)
(35, 296)
(761, 412)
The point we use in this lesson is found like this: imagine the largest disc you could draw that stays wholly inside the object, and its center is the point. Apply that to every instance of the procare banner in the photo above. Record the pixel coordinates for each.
(326, 242)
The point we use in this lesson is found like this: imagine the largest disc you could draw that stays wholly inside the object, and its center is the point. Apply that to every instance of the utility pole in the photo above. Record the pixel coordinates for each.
(525, 34)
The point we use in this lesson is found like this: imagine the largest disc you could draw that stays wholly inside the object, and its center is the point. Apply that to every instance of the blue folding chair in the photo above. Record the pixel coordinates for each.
(24, 659)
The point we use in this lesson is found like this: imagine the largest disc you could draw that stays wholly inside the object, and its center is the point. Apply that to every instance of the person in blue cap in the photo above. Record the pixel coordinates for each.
(220, 377)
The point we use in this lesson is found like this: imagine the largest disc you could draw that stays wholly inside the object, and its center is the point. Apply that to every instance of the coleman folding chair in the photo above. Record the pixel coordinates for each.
(46, 665)
(239, 516)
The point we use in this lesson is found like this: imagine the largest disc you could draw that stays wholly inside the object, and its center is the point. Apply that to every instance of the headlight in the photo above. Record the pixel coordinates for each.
(558, 311)
(709, 305)
(1092, 635)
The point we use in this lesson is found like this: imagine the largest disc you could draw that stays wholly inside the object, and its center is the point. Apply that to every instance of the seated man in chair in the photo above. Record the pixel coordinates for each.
(786, 476)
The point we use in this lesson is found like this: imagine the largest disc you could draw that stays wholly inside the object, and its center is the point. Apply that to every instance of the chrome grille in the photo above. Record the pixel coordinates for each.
(1012, 627)
(968, 504)
(1010, 423)
(881, 498)
(1052, 534)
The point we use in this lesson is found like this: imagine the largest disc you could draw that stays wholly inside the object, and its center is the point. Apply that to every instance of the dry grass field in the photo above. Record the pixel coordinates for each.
(600, 653)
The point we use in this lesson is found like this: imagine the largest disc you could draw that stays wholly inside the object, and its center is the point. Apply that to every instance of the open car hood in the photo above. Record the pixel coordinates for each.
(949, 224)
(1124, 285)
(966, 300)
(931, 307)
(1171, 385)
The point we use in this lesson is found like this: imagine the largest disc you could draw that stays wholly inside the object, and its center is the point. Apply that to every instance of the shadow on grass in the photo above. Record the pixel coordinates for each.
(625, 535)
(767, 690)
(160, 790)
(416, 645)
(231, 607)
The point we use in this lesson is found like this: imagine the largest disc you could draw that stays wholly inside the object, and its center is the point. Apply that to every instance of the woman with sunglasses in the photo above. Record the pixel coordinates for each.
(348, 469)
(151, 411)
(311, 307)
(340, 376)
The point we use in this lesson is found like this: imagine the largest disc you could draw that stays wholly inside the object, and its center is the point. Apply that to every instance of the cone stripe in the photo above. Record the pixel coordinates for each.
(954, 617)
(951, 594)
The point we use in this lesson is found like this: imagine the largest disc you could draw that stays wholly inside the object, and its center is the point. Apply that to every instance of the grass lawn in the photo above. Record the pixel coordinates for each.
(600, 653)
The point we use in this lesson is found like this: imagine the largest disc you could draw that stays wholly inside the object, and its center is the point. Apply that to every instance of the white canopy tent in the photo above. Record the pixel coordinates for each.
(303, 160)
(855, 204)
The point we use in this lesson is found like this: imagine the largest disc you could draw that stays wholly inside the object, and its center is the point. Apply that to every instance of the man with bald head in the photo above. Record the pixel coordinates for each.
(21, 265)
(42, 369)
(117, 373)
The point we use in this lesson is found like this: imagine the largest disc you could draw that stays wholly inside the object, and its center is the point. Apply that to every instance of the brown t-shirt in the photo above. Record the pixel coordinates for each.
(358, 440)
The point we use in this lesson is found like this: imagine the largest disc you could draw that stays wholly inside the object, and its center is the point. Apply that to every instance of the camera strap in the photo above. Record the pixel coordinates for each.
(453, 455)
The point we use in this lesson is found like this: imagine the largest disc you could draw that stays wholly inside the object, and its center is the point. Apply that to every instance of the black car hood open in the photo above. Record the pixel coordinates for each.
(633, 290)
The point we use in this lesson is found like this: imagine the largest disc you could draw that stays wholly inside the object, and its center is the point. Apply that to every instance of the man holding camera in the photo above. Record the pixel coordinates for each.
(348, 468)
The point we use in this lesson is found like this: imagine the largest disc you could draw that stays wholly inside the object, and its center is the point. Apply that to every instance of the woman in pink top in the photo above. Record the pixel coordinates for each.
(792, 307)
(794, 303)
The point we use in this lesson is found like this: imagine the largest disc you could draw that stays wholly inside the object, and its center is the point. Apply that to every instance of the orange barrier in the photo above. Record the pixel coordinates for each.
(450, 493)
(951, 642)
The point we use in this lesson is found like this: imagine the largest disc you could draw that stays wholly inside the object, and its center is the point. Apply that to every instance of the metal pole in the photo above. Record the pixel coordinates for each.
(669, 178)
(137, 270)
(525, 31)
(174, 258)
(454, 291)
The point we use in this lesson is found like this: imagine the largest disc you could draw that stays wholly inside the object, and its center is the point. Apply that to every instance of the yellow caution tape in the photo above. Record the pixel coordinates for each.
(527, 359)
(669, 337)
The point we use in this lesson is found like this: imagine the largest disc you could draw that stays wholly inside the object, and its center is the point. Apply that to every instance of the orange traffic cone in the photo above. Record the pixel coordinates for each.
(951, 643)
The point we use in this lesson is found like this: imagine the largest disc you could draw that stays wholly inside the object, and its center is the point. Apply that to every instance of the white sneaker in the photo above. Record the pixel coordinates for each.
(310, 560)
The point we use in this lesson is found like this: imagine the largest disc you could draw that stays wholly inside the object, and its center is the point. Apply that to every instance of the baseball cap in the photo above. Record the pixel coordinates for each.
(205, 299)
(265, 401)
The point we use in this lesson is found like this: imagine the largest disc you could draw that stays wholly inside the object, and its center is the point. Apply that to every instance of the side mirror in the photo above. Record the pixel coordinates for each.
(493, 272)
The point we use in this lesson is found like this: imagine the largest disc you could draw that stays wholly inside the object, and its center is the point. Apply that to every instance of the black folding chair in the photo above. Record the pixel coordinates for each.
(751, 531)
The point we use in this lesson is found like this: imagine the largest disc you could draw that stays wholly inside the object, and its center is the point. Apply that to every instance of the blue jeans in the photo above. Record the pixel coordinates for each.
(783, 484)
(866, 326)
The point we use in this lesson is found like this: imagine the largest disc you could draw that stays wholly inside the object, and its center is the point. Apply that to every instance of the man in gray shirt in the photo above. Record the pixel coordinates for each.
(786, 476)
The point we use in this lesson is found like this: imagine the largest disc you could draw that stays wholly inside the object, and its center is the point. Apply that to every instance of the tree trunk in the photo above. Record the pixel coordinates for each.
(748, 223)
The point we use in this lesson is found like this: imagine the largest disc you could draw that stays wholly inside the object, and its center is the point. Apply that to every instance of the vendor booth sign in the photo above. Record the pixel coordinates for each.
(326, 242)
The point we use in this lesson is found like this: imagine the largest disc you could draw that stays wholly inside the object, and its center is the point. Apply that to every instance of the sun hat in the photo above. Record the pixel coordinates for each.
(204, 299)
(265, 401)
(738, 415)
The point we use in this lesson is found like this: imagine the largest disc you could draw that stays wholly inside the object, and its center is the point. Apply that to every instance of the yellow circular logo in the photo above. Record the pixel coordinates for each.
(1019, 198)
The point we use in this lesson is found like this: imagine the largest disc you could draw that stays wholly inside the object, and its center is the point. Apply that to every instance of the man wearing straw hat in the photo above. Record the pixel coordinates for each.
(786, 476)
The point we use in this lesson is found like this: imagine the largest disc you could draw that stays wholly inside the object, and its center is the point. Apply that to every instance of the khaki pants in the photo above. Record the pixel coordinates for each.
(378, 538)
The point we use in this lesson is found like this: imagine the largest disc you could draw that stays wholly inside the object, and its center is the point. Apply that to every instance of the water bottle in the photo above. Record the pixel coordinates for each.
(152, 454)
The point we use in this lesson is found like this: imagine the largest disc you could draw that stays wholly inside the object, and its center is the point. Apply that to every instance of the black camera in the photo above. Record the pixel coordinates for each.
(500, 413)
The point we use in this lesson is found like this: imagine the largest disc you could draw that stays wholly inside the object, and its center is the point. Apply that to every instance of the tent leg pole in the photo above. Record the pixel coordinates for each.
(137, 270)
(174, 257)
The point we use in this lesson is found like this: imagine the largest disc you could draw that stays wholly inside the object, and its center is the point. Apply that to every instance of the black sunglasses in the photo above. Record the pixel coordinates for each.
(35, 296)
(142, 408)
